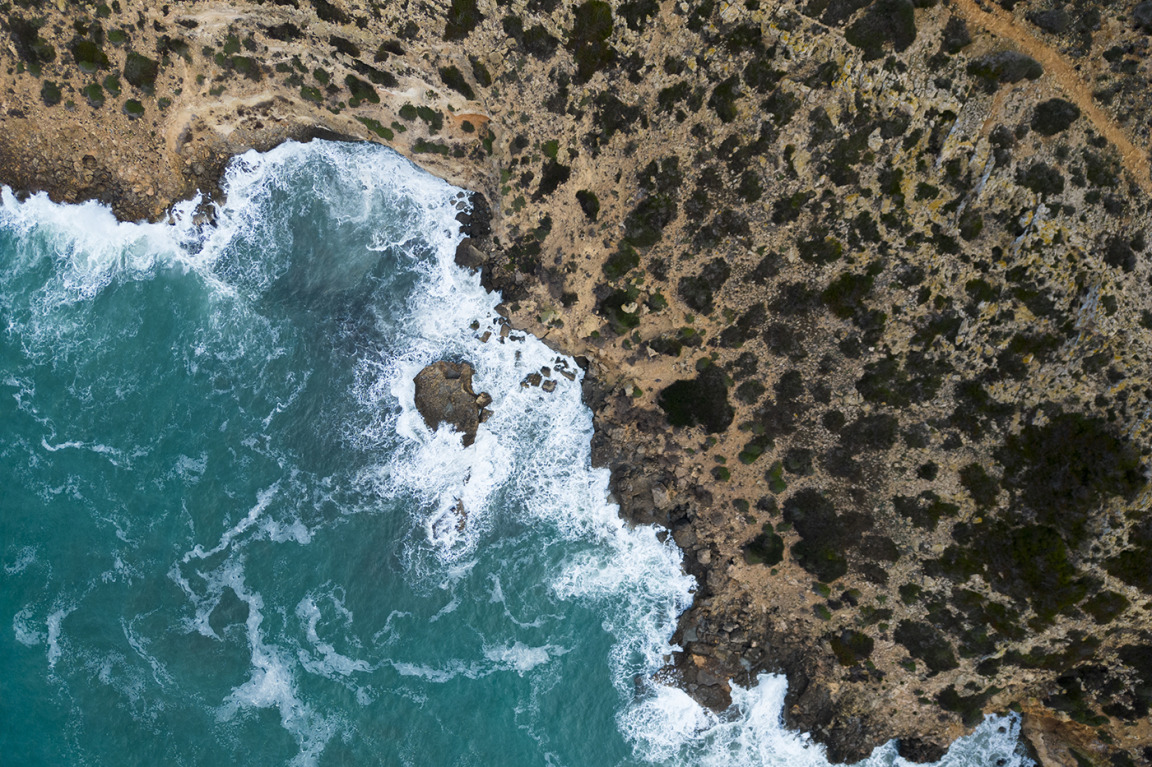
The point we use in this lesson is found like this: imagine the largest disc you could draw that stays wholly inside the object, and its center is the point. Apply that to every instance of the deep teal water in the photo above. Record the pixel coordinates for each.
(227, 537)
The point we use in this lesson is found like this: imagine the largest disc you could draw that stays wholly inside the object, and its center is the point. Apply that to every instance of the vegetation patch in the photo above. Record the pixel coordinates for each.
(927, 644)
(1005, 67)
(851, 647)
(825, 533)
(589, 203)
(887, 23)
(766, 549)
(698, 291)
(361, 91)
(140, 72)
(50, 93)
(87, 55)
(588, 40)
(463, 16)
(702, 401)
(1054, 116)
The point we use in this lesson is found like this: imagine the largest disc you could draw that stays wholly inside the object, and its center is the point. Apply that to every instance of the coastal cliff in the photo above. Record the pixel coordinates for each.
(861, 286)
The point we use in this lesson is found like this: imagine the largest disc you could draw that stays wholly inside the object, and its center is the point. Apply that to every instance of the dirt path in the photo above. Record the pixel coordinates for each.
(1000, 23)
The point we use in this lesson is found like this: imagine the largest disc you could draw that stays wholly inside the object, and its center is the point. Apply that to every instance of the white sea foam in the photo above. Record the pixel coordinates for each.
(24, 628)
(55, 623)
(24, 557)
(271, 683)
(521, 658)
(263, 499)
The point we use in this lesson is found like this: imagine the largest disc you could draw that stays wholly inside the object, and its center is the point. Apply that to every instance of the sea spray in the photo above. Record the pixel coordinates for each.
(271, 567)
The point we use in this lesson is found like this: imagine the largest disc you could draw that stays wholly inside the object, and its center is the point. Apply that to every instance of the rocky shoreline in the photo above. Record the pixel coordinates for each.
(860, 287)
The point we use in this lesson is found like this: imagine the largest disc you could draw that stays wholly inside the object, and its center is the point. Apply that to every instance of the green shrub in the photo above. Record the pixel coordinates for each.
(133, 108)
(766, 549)
(463, 16)
(50, 93)
(1054, 116)
(361, 91)
(588, 41)
(926, 643)
(376, 127)
(452, 77)
(140, 72)
(885, 23)
(87, 55)
(1005, 67)
(95, 95)
(703, 401)
(589, 203)
(850, 647)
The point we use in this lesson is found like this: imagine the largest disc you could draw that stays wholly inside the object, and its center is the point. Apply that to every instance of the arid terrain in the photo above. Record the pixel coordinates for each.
(861, 286)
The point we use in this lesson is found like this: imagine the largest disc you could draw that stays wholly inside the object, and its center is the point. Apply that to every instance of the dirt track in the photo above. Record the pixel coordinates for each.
(1000, 23)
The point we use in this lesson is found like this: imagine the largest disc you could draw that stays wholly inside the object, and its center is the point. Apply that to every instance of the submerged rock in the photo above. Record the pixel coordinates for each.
(444, 395)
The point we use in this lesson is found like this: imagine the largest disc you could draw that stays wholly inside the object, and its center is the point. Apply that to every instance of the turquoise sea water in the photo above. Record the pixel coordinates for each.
(228, 538)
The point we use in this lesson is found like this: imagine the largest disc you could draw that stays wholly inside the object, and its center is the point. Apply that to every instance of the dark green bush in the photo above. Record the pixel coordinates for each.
(983, 488)
(886, 23)
(1041, 178)
(361, 91)
(766, 549)
(698, 291)
(700, 401)
(1054, 116)
(589, 203)
(50, 93)
(927, 644)
(32, 49)
(1105, 606)
(452, 77)
(723, 99)
(95, 94)
(1005, 67)
(588, 41)
(87, 55)
(850, 647)
(463, 16)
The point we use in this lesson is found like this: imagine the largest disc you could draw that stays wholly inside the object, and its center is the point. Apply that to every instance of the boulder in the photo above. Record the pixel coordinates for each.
(444, 395)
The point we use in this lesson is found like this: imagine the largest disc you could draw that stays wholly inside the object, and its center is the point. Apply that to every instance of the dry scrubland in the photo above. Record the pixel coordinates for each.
(863, 287)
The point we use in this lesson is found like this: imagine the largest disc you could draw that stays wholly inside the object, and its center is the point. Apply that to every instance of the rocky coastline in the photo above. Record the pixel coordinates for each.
(860, 287)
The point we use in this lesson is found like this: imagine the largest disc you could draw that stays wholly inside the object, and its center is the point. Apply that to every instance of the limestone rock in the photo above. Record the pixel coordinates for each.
(444, 395)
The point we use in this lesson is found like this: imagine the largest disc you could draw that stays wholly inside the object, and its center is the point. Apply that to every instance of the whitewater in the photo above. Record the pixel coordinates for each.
(227, 536)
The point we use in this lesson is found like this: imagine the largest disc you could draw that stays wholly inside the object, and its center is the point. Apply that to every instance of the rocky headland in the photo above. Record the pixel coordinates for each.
(862, 289)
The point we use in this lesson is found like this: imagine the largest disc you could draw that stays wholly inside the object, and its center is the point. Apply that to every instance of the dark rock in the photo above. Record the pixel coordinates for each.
(467, 256)
(477, 223)
(444, 395)
(920, 751)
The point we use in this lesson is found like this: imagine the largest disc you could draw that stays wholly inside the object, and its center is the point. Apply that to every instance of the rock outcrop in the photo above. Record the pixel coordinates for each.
(444, 395)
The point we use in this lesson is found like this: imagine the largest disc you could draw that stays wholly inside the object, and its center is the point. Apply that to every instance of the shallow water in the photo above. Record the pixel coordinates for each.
(227, 536)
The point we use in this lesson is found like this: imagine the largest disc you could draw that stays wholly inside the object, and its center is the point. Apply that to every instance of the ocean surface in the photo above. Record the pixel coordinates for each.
(227, 537)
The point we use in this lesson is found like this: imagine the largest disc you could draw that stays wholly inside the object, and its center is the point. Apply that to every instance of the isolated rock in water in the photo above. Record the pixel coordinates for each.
(444, 395)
